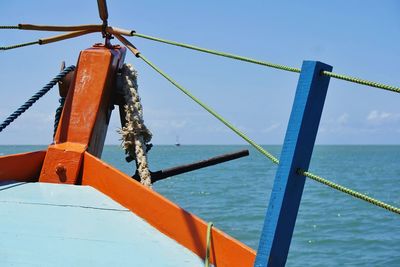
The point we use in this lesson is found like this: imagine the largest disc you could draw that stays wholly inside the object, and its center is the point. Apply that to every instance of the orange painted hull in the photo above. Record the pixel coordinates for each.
(73, 159)
(170, 219)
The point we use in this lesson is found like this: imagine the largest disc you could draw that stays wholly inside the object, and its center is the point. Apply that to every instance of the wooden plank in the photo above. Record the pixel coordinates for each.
(62, 163)
(85, 116)
(45, 224)
(296, 153)
(22, 167)
(170, 219)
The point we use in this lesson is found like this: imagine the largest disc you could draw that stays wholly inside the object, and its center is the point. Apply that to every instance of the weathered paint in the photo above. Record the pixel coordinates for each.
(167, 217)
(63, 163)
(89, 97)
(85, 116)
(296, 154)
(21, 167)
(81, 131)
(46, 224)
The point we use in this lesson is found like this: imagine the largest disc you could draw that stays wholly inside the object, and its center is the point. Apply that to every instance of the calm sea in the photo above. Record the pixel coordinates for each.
(332, 228)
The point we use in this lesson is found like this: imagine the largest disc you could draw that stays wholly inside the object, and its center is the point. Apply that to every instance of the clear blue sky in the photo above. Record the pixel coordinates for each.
(359, 38)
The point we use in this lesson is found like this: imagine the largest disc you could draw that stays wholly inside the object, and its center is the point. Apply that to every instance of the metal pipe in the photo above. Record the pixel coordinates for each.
(163, 174)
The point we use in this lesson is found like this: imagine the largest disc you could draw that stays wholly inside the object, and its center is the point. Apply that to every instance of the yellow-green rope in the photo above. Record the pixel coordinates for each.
(350, 192)
(218, 53)
(211, 111)
(18, 45)
(241, 58)
(272, 65)
(362, 81)
(208, 244)
(246, 138)
(268, 154)
(9, 27)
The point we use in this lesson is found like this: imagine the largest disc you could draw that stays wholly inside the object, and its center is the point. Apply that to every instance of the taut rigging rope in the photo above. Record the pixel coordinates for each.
(118, 32)
(269, 64)
(275, 160)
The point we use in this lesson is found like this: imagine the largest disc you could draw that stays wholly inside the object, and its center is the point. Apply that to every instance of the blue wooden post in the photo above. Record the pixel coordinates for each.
(296, 154)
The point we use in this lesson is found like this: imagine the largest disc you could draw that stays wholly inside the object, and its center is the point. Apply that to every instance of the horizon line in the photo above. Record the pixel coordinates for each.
(170, 144)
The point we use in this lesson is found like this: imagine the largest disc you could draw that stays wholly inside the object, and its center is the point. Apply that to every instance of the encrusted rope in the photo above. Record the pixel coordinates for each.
(35, 97)
(268, 154)
(135, 134)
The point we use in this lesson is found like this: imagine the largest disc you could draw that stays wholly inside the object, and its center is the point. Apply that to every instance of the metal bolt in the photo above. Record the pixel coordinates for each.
(61, 172)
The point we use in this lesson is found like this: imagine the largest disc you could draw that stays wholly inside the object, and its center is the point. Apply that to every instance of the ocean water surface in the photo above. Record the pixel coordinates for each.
(332, 228)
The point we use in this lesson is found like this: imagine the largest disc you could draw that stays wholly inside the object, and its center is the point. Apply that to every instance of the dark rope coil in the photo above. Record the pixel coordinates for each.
(35, 97)
(57, 116)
